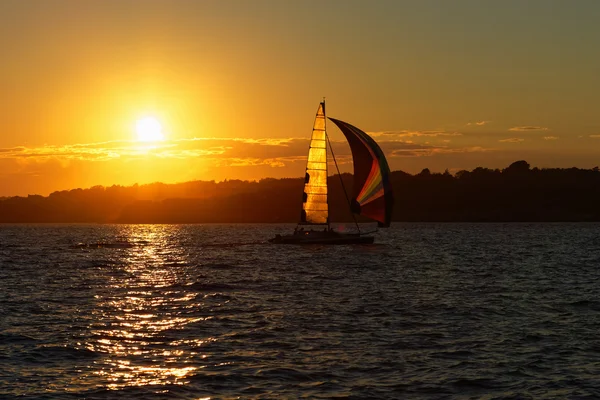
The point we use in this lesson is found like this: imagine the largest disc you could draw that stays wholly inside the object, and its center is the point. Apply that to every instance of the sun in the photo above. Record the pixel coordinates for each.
(148, 129)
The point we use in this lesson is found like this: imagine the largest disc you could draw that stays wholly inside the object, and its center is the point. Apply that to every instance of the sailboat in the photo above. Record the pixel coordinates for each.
(372, 190)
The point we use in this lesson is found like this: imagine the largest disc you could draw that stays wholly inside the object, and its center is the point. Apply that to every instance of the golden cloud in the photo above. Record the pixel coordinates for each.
(104, 151)
(528, 128)
(409, 133)
(511, 140)
(431, 151)
(223, 152)
(479, 123)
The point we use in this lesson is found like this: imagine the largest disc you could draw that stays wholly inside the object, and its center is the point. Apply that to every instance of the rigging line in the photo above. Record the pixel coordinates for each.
(326, 166)
(343, 186)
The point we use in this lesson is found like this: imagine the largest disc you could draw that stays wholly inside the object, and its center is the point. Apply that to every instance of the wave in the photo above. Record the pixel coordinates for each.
(45, 353)
(165, 391)
(218, 266)
(586, 304)
(225, 245)
(200, 286)
(12, 338)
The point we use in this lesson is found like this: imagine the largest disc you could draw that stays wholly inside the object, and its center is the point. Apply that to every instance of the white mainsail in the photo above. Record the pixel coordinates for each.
(314, 200)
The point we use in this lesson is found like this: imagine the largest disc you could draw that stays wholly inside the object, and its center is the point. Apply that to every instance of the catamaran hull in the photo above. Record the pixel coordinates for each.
(339, 239)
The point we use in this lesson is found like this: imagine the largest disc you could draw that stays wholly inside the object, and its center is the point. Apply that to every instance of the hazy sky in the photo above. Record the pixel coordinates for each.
(236, 84)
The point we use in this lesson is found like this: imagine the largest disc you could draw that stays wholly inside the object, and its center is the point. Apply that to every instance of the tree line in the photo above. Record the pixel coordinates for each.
(515, 193)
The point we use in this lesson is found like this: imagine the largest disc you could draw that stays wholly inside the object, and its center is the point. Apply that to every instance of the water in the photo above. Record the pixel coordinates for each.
(211, 311)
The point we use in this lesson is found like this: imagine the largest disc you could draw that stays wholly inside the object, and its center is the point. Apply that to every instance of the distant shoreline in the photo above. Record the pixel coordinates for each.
(517, 193)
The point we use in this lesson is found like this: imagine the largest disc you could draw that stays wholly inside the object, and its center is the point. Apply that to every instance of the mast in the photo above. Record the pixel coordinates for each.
(326, 164)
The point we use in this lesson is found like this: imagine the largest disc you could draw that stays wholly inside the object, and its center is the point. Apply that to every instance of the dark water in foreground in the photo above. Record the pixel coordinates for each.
(432, 311)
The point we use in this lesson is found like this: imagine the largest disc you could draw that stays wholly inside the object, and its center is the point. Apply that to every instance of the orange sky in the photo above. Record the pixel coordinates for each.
(236, 84)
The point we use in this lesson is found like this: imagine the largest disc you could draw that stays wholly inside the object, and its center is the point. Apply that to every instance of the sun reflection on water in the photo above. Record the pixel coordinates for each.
(139, 324)
(140, 375)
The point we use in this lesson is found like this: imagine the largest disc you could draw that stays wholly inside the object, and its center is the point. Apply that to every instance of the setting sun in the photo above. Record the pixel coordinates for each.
(148, 129)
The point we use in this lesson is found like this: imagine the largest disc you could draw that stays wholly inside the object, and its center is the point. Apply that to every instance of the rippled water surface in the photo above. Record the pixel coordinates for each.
(212, 311)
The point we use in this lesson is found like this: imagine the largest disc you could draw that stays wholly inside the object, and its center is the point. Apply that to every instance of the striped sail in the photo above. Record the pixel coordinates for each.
(372, 189)
(314, 199)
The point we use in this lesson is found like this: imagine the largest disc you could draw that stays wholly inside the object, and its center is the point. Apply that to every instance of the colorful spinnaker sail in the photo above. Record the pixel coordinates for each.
(372, 193)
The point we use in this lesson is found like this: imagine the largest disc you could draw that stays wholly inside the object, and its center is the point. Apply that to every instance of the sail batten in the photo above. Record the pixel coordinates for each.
(315, 209)
(372, 192)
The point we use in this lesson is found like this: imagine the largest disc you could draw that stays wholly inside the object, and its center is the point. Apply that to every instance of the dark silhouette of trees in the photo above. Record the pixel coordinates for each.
(518, 167)
(516, 193)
